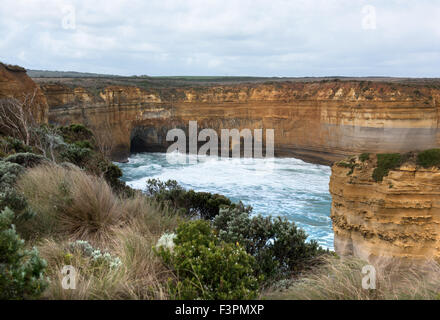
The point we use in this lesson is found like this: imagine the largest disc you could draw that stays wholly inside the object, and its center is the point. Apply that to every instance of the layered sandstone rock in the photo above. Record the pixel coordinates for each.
(15, 83)
(398, 217)
(316, 121)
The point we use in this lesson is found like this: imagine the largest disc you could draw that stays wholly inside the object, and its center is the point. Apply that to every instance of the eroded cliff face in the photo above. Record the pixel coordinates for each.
(398, 217)
(15, 83)
(316, 121)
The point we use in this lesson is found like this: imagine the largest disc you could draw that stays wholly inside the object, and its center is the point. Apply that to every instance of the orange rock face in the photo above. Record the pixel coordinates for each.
(316, 121)
(15, 83)
(398, 217)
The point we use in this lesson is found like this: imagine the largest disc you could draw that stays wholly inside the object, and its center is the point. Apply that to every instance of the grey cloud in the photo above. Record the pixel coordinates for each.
(218, 37)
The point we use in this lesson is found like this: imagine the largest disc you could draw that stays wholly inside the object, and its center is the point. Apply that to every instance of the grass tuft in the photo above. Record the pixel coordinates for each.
(68, 201)
(341, 279)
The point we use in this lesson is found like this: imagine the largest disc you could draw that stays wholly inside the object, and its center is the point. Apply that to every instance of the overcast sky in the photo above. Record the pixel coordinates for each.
(224, 37)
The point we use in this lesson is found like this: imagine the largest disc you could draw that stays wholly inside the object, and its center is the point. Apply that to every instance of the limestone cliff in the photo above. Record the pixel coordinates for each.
(316, 121)
(15, 83)
(397, 217)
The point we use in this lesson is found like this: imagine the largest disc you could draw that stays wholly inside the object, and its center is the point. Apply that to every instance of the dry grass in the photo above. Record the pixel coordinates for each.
(341, 279)
(130, 238)
(70, 202)
(91, 282)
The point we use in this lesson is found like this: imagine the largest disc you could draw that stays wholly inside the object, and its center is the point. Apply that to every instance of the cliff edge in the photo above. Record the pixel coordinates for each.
(320, 122)
(15, 83)
(387, 205)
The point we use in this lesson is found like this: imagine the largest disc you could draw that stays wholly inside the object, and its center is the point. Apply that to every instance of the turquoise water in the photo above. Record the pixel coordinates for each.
(286, 187)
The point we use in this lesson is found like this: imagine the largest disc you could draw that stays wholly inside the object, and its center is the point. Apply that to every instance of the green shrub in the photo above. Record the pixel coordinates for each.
(84, 144)
(429, 158)
(203, 204)
(8, 173)
(27, 159)
(75, 133)
(9, 196)
(13, 145)
(207, 268)
(76, 155)
(279, 247)
(385, 163)
(21, 270)
(112, 174)
(364, 157)
(349, 165)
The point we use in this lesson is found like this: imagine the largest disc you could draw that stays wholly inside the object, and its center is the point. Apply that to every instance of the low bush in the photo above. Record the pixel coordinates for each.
(351, 164)
(85, 144)
(385, 163)
(9, 196)
(112, 174)
(75, 133)
(429, 158)
(279, 247)
(76, 155)
(21, 270)
(9, 173)
(364, 157)
(11, 145)
(208, 268)
(27, 159)
(189, 202)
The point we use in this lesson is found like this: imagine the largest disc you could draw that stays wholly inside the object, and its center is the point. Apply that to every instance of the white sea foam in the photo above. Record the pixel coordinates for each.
(291, 188)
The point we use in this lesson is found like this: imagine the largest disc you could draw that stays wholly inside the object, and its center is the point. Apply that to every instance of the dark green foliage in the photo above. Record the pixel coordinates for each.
(75, 133)
(204, 204)
(112, 174)
(364, 157)
(21, 270)
(76, 155)
(279, 247)
(8, 173)
(429, 158)
(85, 144)
(9, 196)
(351, 165)
(207, 268)
(27, 160)
(13, 145)
(385, 163)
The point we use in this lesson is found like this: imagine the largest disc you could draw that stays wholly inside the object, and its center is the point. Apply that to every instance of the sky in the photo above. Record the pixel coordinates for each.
(286, 38)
